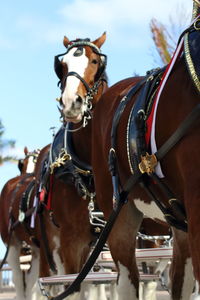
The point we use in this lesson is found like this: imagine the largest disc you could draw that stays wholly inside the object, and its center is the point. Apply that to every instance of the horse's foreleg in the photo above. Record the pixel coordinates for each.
(14, 263)
(122, 241)
(32, 275)
(181, 273)
(45, 269)
(93, 292)
(149, 290)
(75, 248)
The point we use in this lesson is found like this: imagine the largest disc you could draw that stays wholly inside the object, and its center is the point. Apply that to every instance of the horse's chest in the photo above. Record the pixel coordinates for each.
(149, 209)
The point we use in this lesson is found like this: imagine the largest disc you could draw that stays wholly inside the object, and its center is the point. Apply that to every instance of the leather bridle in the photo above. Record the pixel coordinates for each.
(91, 91)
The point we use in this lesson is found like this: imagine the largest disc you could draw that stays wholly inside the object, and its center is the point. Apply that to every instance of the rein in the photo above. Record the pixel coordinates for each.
(122, 199)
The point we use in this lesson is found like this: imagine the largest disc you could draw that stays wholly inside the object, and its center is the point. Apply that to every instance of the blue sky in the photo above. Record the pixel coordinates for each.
(31, 33)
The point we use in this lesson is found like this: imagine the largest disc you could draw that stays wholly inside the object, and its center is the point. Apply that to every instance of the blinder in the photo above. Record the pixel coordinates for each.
(58, 65)
(102, 67)
(20, 164)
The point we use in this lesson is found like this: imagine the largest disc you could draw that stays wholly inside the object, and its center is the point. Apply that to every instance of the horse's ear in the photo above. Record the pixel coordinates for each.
(25, 150)
(66, 41)
(100, 41)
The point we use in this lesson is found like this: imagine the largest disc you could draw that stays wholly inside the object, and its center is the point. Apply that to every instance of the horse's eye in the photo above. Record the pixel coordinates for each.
(94, 61)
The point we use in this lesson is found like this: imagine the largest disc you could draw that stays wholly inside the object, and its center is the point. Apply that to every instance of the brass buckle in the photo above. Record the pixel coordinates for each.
(148, 163)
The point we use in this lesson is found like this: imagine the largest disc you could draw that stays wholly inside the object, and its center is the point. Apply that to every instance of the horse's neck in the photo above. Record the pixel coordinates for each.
(82, 143)
(82, 138)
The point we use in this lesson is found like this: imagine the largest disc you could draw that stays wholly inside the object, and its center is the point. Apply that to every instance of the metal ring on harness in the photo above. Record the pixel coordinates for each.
(197, 24)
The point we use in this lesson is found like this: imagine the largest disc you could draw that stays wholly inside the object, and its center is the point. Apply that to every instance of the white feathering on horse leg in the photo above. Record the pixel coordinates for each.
(95, 292)
(126, 290)
(150, 290)
(113, 291)
(32, 275)
(13, 261)
(196, 295)
(188, 282)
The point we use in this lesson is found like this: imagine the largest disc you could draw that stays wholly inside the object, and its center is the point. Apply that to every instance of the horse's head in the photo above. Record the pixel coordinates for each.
(81, 73)
(27, 165)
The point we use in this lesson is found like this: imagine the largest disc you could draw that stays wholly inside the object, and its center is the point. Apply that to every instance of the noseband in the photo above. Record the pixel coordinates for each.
(87, 102)
(80, 78)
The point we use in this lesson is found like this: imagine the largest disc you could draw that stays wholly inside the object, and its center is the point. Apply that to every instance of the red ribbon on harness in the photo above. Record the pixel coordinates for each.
(150, 118)
(48, 206)
(42, 195)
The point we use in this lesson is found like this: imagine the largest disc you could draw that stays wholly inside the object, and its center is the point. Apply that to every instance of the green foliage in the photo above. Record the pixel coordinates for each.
(162, 40)
(165, 38)
(5, 144)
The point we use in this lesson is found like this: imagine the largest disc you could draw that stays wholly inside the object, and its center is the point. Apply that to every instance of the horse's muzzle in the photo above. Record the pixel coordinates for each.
(75, 112)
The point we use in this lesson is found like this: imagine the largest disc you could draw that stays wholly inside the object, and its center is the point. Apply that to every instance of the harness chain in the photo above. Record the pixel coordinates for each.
(65, 159)
(179, 133)
(94, 255)
(121, 196)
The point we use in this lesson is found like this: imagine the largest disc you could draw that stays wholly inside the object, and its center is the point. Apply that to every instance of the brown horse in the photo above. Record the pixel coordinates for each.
(66, 187)
(179, 166)
(15, 231)
(81, 140)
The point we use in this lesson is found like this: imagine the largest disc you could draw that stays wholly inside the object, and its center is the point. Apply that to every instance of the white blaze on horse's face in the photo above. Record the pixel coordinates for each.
(30, 165)
(72, 102)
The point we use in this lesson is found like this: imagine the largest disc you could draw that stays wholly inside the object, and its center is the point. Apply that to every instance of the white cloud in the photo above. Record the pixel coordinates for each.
(123, 20)
(117, 13)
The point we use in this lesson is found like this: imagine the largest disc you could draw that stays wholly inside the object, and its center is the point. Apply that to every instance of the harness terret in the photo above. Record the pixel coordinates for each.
(174, 214)
(145, 168)
(142, 164)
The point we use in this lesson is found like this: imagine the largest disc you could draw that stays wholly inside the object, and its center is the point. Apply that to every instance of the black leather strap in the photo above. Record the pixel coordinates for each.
(167, 146)
(90, 262)
(45, 242)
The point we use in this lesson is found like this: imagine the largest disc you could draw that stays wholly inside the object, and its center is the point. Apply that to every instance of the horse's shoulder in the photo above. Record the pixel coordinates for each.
(114, 94)
(8, 187)
(11, 182)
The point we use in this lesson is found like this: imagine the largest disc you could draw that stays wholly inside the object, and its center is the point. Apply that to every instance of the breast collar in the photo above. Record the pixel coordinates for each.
(62, 149)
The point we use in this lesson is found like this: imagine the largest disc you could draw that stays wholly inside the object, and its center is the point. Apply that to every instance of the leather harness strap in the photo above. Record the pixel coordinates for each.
(164, 149)
(167, 146)
(45, 241)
